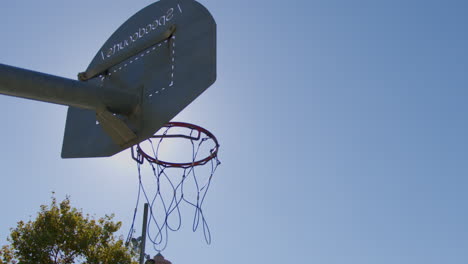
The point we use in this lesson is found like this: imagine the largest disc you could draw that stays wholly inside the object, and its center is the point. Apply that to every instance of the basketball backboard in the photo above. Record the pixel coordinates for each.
(166, 55)
(149, 70)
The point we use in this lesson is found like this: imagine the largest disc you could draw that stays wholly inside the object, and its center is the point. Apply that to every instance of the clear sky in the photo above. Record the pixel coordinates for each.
(343, 129)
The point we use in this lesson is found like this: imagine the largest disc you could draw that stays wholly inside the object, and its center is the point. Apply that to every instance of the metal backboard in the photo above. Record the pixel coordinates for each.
(165, 55)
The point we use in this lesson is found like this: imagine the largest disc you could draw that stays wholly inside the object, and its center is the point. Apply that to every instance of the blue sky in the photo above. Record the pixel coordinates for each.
(342, 127)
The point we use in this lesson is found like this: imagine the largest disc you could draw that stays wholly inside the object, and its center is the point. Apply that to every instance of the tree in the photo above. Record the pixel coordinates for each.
(61, 234)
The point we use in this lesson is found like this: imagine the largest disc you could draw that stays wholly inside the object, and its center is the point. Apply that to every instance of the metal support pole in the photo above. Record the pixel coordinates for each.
(143, 234)
(53, 89)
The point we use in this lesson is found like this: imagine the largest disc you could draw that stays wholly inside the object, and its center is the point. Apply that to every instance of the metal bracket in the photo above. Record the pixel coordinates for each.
(91, 73)
(115, 127)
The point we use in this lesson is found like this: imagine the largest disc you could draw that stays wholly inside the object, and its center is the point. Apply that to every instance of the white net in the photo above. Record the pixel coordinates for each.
(173, 177)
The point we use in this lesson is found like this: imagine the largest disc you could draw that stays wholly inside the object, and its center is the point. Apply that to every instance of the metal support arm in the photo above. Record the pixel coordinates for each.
(53, 89)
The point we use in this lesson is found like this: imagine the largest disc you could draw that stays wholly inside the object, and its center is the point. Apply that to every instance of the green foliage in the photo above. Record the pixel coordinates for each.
(62, 234)
(6, 255)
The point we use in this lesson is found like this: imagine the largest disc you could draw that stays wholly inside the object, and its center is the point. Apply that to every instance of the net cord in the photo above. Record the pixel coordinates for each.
(158, 231)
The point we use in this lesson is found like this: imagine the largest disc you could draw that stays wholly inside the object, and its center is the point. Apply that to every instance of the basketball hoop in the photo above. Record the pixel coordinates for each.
(142, 155)
(174, 181)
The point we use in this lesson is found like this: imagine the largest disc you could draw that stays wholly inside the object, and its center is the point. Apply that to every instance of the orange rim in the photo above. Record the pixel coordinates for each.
(214, 151)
